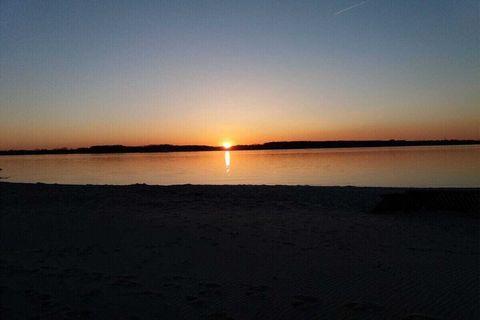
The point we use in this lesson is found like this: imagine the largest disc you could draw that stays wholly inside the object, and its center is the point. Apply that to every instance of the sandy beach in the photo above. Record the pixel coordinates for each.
(238, 252)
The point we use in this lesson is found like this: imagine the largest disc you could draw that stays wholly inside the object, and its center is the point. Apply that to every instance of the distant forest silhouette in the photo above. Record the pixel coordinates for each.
(264, 146)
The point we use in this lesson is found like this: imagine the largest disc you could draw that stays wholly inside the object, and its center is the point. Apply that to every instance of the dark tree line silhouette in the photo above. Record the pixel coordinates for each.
(264, 146)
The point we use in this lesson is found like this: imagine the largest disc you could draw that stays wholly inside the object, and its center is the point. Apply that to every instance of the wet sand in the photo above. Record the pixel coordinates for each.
(238, 252)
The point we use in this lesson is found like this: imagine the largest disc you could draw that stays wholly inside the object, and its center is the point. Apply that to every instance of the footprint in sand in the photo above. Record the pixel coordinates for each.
(219, 316)
(418, 317)
(356, 310)
(125, 281)
(257, 290)
(210, 285)
(195, 301)
(210, 289)
(302, 301)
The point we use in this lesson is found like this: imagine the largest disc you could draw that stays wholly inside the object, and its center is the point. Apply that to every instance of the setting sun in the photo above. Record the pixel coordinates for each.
(227, 145)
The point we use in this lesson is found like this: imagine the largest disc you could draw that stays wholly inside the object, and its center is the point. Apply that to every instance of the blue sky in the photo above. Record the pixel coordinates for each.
(75, 73)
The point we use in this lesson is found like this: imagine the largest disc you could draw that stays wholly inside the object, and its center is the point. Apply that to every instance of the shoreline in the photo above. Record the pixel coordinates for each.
(238, 252)
(240, 185)
(284, 145)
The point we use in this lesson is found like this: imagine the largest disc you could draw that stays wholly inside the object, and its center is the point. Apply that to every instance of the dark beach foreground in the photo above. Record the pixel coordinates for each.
(238, 252)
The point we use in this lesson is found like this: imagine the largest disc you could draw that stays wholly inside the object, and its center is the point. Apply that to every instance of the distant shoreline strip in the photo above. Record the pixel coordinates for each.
(283, 145)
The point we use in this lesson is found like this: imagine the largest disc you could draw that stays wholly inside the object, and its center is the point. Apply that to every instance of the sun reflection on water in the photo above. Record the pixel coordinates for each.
(227, 161)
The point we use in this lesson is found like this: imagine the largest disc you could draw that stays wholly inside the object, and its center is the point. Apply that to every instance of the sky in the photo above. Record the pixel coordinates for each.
(81, 73)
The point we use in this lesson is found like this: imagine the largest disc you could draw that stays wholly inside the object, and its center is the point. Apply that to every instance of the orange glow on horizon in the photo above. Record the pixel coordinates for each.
(50, 136)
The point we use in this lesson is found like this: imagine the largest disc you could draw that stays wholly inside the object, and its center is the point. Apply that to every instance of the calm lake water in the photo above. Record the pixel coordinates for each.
(439, 166)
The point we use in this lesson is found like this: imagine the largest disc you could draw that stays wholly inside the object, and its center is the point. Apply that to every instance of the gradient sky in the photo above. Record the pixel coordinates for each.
(78, 73)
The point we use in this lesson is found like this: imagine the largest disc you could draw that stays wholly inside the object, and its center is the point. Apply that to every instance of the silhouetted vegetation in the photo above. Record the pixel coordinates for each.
(264, 146)
(351, 144)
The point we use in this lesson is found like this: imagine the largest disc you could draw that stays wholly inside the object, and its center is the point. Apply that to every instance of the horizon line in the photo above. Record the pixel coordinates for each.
(286, 144)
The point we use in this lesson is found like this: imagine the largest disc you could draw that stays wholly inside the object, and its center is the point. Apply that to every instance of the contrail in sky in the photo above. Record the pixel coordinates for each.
(351, 7)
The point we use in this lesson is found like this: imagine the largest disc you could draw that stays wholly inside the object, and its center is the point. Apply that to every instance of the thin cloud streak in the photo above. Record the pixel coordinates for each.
(350, 8)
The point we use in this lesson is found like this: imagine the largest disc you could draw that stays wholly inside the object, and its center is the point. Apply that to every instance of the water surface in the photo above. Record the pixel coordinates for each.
(439, 166)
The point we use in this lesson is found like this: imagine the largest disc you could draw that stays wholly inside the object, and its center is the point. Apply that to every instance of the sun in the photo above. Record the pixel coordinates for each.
(227, 144)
